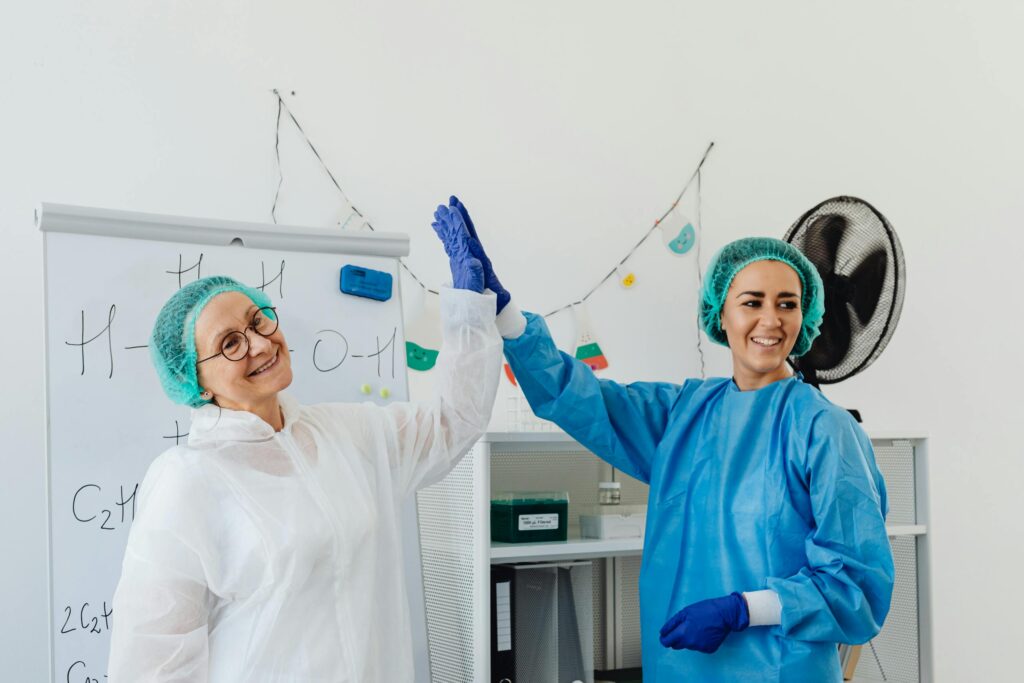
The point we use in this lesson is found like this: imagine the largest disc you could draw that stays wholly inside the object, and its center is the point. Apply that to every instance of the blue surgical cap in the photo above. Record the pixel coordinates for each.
(736, 256)
(172, 345)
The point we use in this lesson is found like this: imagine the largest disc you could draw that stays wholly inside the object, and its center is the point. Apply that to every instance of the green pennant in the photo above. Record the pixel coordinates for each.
(419, 358)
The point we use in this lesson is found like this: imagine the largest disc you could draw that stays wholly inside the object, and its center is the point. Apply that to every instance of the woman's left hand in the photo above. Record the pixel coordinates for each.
(491, 280)
(467, 271)
(704, 625)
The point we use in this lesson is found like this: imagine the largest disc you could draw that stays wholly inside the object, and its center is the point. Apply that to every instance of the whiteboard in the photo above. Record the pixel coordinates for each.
(107, 275)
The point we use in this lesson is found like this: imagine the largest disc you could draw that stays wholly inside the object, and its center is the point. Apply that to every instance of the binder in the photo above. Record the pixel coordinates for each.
(503, 660)
(570, 650)
(849, 656)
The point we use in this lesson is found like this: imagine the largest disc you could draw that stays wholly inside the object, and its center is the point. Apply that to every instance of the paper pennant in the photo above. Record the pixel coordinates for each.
(587, 348)
(419, 358)
(423, 335)
(677, 232)
(626, 277)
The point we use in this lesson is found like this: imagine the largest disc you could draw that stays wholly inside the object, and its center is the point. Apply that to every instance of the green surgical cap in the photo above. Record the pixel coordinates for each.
(172, 345)
(736, 256)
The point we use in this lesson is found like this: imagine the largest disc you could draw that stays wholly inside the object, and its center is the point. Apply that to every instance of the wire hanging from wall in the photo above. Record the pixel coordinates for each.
(353, 210)
(277, 155)
(700, 277)
(696, 175)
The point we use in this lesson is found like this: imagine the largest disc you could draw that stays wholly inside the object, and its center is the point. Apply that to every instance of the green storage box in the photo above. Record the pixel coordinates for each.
(529, 517)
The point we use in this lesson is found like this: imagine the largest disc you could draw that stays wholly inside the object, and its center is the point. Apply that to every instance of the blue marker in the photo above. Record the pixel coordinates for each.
(365, 282)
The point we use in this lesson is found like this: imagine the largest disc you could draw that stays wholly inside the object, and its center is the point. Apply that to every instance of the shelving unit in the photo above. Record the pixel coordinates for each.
(457, 553)
(587, 548)
(572, 549)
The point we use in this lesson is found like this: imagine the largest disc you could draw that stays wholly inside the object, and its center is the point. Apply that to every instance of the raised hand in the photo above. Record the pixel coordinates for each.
(491, 281)
(467, 271)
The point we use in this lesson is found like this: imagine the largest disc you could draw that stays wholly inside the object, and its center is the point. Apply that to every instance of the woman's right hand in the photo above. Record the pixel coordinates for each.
(491, 281)
(467, 272)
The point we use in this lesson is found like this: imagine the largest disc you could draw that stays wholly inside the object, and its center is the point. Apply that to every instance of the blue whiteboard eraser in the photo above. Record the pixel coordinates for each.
(366, 282)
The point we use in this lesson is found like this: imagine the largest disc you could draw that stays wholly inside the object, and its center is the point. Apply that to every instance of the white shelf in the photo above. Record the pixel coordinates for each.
(573, 549)
(558, 436)
(896, 435)
(588, 548)
(906, 529)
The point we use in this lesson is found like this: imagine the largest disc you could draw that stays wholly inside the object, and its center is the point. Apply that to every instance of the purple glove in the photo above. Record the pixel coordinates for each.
(704, 625)
(467, 272)
(491, 281)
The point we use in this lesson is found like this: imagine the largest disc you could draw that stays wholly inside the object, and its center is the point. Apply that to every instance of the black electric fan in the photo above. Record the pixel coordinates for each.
(860, 260)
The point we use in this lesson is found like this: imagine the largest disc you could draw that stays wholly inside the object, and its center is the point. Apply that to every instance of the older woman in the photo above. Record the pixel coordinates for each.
(268, 548)
(766, 542)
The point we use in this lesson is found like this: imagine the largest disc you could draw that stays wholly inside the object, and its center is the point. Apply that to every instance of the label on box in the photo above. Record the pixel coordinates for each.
(538, 522)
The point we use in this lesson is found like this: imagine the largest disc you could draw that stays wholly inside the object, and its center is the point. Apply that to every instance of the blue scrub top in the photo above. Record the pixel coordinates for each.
(775, 488)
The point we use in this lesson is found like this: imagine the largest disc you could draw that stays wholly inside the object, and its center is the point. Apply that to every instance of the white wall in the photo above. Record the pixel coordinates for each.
(566, 127)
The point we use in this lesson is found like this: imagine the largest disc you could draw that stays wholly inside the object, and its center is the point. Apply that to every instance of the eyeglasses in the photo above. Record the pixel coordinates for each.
(235, 345)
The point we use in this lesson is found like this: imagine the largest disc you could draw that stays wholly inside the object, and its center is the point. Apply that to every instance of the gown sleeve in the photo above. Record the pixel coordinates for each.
(843, 593)
(425, 440)
(162, 603)
(620, 423)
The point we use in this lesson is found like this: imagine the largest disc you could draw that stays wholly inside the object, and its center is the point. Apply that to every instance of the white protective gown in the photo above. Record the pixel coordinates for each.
(276, 556)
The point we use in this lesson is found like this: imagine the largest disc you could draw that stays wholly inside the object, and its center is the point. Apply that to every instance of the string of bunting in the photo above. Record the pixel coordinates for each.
(681, 247)
(679, 233)
(282, 106)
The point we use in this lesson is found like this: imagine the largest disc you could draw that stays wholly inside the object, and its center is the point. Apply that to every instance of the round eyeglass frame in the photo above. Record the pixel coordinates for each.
(243, 338)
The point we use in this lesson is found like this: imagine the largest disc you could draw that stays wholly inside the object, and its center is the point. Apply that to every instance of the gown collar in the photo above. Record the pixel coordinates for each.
(797, 376)
(211, 424)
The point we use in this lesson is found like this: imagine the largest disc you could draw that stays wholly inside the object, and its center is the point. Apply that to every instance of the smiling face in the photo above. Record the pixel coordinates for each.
(762, 319)
(253, 382)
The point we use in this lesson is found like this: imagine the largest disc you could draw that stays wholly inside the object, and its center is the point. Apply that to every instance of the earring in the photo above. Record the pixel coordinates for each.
(206, 395)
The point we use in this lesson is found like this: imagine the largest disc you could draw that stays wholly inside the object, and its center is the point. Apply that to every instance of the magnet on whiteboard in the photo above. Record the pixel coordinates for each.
(366, 282)
(366, 389)
(385, 392)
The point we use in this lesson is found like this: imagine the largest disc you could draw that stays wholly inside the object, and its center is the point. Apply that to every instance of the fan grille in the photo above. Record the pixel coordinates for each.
(867, 231)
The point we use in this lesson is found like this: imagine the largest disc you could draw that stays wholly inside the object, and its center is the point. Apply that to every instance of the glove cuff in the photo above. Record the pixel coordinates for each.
(765, 608)
(741, 619)
(511, 322)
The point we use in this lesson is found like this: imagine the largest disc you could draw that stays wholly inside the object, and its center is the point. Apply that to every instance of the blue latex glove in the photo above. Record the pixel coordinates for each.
(467, 271)
(491, 281)
(704, 625)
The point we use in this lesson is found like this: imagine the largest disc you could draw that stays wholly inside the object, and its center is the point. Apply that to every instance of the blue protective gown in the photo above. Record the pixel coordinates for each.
(775, 488)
